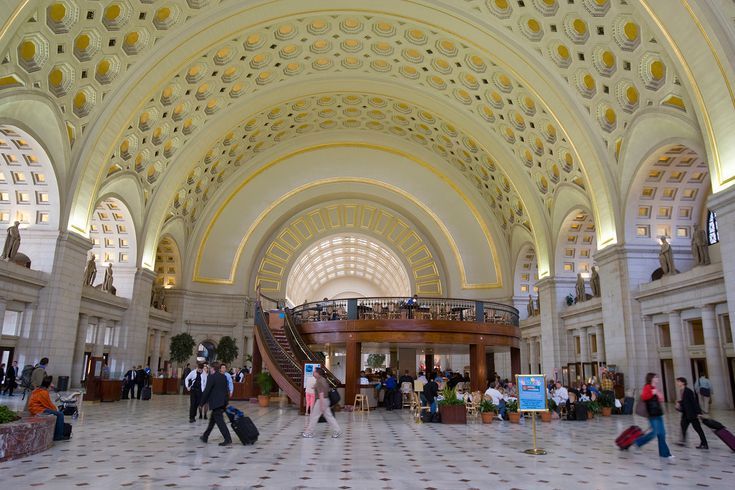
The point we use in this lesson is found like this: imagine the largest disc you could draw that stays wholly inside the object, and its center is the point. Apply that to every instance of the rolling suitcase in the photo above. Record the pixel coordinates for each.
(146, 394)
(245, 430)
(67, 430)
(628, 437)
(580, 411)
(628, 403)
(720, 431)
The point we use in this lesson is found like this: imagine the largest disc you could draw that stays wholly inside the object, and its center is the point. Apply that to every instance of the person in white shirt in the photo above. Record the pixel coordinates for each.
(422, 378)
(230, 384)
(561, 395)
(194, 383)
(498, 400)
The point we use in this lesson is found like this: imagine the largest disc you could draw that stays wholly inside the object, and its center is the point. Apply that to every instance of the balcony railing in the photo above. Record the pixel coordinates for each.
(391, 308)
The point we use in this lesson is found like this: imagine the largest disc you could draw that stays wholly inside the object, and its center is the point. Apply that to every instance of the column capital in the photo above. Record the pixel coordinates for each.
(82, 243)
(708, 308)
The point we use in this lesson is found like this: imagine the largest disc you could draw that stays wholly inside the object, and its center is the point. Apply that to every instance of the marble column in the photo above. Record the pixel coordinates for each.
(600, 338)
(584, 345)
(53, 331)
(678, 346)
(723, 204)
(134, 325)
(156, 351)
(715, 360)
(75, 381)
(552, 335)
(3, 305)
(24, 336)
(99, 343)
(532, 355)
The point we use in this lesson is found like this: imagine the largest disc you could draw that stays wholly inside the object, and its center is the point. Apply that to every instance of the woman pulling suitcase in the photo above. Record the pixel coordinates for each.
(652, 398)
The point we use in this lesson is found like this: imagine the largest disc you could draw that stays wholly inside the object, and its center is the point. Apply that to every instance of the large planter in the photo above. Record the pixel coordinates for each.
(453, 414)
(26, 436)
(264, 400)
(487, 417)
(546, 416)
(514, 417)
(606, 411)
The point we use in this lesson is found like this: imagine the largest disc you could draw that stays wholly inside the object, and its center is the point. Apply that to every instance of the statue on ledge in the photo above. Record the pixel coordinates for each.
(666, 258)
(158, 298)
(90, 271)
(12, 242)
(580, 288)
(107, 283)
(700, 246)
(595, 283)
(530, 307)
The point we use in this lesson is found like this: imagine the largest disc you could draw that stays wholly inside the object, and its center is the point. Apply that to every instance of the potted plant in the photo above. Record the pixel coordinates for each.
(553, 408)
(265, 382)
(607, 402)
(451, 408)
(487, 411)
(546, 414)
(593, 408)
(511, 408)
(7, 415)
(227, 350)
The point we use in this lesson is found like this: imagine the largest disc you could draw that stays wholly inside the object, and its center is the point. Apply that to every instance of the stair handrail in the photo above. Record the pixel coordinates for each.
(272, 343)
(296, 340)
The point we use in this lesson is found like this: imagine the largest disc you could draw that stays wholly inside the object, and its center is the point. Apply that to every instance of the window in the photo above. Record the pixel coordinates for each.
(697, 332)
(713, 232)
(664, 338)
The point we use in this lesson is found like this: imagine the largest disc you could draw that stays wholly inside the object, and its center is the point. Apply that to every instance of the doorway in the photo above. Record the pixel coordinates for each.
(667, 378)
(6, 356)
(699, 367)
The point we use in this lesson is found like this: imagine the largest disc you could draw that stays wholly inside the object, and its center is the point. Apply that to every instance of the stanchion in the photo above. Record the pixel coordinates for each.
(537, 451)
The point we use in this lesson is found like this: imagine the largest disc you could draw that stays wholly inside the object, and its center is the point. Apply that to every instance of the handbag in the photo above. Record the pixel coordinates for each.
(640, 408)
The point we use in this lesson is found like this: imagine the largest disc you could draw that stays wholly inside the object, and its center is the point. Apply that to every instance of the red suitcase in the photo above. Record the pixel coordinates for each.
(726, 437)
(628, 437)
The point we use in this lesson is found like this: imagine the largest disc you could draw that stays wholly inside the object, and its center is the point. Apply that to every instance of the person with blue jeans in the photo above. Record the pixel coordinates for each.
(431, 391)
(651, 397)
(40, 402)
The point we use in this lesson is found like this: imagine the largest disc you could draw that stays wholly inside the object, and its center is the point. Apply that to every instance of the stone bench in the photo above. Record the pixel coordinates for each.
(29, 435)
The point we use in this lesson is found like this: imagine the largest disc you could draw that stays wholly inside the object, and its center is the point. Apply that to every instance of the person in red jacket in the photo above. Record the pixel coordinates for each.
(653, 398)
(40, 402)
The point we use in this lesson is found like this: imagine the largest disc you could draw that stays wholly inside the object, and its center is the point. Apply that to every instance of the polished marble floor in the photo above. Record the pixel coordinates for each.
(151, 445)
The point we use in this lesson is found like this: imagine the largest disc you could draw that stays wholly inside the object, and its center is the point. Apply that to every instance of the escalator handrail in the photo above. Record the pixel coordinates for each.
(267, 335)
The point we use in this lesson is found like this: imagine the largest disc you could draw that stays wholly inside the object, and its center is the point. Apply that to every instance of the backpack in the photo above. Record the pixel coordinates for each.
(25, 375)
(333, 397)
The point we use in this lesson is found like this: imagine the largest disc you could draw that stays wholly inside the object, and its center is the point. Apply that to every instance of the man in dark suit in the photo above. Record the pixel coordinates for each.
(688, 405)
(216, 396)
(129, 384)
(140, 377)
(11, 374)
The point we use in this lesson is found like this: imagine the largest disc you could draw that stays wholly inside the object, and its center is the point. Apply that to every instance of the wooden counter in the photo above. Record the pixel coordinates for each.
(244, 390)
(165, 386)
(110, 390)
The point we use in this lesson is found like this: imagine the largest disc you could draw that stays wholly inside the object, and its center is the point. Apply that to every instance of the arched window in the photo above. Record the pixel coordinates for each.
(713, 233)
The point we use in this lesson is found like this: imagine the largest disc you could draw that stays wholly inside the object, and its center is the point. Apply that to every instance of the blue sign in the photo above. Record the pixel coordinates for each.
(531, 393)
(309, 368)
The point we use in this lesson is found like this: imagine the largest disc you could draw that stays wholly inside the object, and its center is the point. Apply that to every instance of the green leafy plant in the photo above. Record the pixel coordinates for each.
(265, 382)
(552, 405)
(7, 415)
(488, 406)
(449, 397)
(594, 407)
(511, 406)
(227, 350)
(606, 400)
(182, 347)
(376, 360)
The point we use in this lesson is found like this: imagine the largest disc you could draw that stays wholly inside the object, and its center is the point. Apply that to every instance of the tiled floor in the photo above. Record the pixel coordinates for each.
(151, 445)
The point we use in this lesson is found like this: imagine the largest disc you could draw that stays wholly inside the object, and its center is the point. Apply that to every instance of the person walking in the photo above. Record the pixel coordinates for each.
(193, 383)
(140, 377)
(703, 387)
(651, 396)
(690, 411)
(215, 394)
(11, 375)
(321, 407)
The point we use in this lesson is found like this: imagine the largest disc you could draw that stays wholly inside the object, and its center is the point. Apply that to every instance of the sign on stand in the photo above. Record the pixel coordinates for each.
(532, 398)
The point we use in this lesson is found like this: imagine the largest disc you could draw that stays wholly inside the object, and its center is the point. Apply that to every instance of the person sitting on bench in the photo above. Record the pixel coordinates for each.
(40, 402)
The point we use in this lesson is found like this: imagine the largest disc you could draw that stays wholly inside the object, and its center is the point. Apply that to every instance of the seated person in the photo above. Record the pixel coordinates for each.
(363, 378)
(40, 402)
(422, 377)
(561, 395)
(497, 398)
(431, 390)
(405, 378)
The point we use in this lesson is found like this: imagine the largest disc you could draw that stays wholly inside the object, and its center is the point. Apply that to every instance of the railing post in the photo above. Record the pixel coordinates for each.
(479, 312)
(352, 309)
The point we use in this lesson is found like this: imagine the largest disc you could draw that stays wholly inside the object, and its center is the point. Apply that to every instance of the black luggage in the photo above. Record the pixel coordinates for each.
(580, 411)
(146, 394)
(426, 417)
(397, 399)
(68, 410)
(67, 430)
(245, 430)
(628, 403)
(333, 397)
(436, 418)
(720, 431)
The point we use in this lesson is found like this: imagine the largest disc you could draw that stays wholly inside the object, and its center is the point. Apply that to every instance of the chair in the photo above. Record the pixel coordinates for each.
(361, 404)
(417, 408)
(472, 403)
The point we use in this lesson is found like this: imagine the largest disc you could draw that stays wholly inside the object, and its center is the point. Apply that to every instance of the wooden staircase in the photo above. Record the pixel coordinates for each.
(278, 358)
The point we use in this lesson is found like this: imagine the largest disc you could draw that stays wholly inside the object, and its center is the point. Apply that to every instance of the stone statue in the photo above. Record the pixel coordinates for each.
(12, 242)
(595, 283)
(107, 283)
(580, 288)
(157, 298)
(531, 309)
(90, 271)
(700, 247)
(666, 258)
